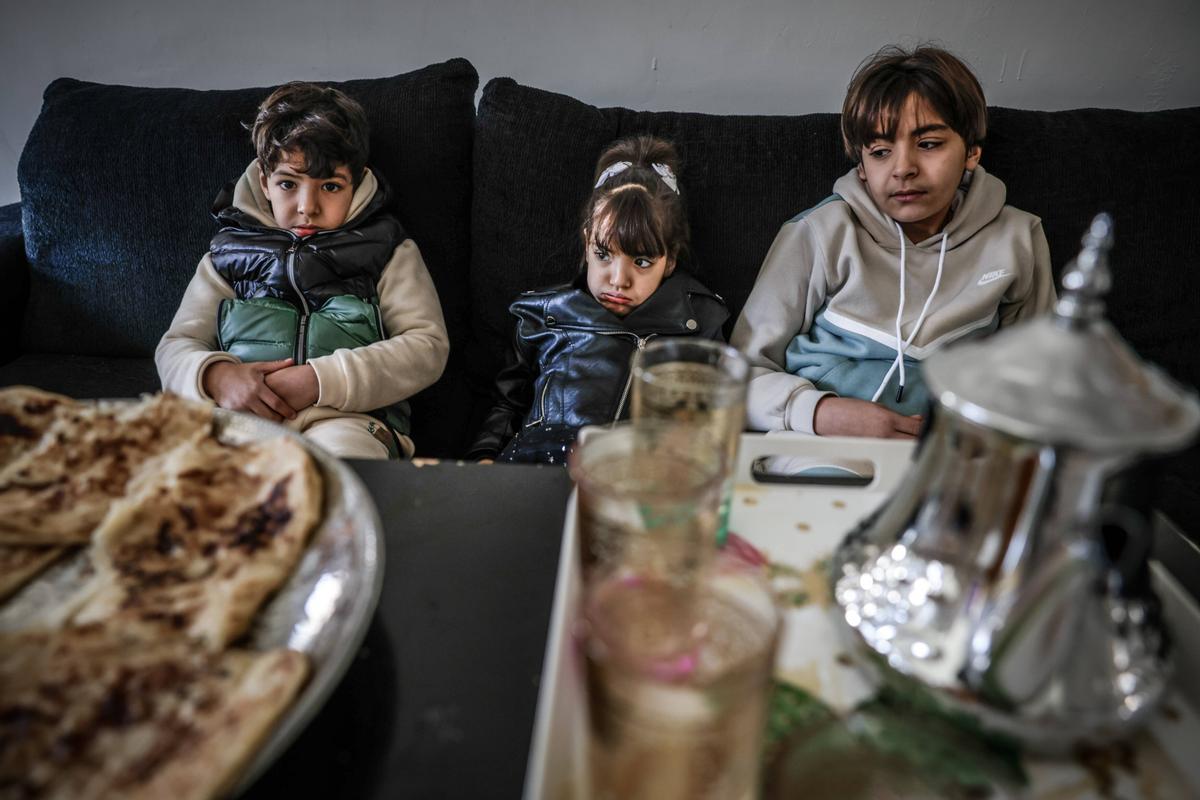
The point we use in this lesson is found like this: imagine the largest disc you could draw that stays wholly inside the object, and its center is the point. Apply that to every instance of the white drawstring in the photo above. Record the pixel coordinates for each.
(902, 344)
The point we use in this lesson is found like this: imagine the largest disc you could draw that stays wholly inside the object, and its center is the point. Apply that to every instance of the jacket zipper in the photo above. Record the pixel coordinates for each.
(641, 345)
(221, 311)
(302, 332)
(378, 321)
(541, 405)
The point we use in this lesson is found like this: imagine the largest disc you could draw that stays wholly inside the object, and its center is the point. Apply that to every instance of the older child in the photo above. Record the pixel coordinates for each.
(570, 364)
(915, 249)
(312, 305)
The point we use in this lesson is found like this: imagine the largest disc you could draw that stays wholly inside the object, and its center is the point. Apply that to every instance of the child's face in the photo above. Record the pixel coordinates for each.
(913, 179)
(621, 282)
(303, 204)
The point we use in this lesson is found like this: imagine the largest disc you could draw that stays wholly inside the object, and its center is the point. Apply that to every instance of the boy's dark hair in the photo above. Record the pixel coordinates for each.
(883, 82)
(636, 211)
(323, 124)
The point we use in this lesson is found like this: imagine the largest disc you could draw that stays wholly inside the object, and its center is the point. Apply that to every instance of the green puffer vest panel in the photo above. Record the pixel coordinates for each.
(270, 329)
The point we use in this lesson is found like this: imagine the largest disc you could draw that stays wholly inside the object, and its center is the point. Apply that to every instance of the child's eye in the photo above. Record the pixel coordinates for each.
(601, 253)
(879, 153)
(929, 144)
(643, 262)
(286, 185)
(332, 187)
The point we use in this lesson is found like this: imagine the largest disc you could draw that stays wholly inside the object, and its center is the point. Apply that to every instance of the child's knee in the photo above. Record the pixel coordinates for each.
(349, 438)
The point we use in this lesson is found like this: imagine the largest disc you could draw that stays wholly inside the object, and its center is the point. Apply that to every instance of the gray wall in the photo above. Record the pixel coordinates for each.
(755, 56)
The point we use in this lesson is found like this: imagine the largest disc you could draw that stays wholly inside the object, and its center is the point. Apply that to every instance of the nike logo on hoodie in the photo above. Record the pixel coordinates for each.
(992, 277)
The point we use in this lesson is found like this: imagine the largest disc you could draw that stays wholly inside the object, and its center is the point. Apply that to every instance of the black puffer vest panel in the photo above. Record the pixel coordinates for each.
(260, 261)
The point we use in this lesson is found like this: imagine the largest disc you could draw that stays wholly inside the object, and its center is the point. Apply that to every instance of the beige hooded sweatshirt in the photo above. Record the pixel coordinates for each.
(351, 381)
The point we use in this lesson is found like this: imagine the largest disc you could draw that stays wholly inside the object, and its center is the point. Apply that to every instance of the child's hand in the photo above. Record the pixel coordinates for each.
(849, 416)
(243, 387)
(296, 385)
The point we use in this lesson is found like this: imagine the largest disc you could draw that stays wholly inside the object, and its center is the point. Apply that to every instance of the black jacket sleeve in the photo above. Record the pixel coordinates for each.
(513, 395)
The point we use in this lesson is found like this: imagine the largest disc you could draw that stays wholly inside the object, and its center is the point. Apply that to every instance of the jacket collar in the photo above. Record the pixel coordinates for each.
(668, 311)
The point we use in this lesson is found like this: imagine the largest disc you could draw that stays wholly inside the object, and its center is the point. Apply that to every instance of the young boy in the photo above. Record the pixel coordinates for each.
(915, 249)
(312, 306)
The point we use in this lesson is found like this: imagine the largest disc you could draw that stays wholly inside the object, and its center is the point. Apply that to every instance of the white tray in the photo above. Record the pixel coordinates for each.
(799, 526)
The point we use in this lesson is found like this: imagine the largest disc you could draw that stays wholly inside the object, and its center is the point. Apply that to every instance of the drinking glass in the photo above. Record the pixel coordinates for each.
(678, 640)
(700, 383)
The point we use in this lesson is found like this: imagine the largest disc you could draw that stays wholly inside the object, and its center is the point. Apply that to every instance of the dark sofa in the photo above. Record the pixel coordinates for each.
(116, 185)
(116, 181)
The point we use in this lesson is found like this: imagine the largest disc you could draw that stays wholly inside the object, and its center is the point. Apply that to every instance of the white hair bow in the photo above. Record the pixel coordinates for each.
(664, 172)
(667, 175)
(611, 171)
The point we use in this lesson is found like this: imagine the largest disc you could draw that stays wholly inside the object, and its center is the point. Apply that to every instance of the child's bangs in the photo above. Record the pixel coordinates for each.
(878, 111)
(323, 152)
(322, 148)
(880, 104)
(627, 222)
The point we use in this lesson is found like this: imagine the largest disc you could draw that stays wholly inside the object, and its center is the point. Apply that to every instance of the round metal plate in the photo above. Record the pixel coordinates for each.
(322, 610)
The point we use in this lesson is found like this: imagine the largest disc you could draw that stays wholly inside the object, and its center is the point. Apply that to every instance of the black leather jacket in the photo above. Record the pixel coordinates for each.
(569, 365)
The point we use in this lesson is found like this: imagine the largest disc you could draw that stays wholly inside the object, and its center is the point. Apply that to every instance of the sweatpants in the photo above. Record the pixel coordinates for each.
(351, 436)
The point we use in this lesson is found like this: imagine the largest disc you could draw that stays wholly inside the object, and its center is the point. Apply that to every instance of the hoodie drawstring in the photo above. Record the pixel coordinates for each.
(901, 343)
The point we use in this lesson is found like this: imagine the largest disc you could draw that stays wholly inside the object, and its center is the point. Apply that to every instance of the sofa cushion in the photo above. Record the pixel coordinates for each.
(14, 277)
(744, 176)
(535, 152)
(1065, 166)
(117, 184)
(82, 377)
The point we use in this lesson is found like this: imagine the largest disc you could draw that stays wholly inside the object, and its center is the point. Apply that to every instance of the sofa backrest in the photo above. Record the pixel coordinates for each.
(744, 176)
(117, 184)
(535, 153)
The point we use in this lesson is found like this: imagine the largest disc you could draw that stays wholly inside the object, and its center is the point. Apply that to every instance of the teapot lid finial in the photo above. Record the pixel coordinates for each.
(1087, 279)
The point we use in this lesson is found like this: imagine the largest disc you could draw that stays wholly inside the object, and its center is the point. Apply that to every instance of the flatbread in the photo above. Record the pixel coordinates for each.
(25, 414)
(92, 454)
(128, 689)
(198, 548)
(84, 714)
(21, 563)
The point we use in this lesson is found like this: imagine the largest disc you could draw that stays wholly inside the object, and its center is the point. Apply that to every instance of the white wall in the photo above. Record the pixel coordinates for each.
(754, 56)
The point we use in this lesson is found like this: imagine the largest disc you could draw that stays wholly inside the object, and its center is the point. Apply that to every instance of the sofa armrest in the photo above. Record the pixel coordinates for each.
(14, 277)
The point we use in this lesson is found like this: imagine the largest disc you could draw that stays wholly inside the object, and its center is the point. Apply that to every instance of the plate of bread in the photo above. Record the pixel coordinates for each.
(181, 588)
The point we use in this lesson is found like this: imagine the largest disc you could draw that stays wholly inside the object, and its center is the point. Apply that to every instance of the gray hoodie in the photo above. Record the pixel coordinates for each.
(822, 317)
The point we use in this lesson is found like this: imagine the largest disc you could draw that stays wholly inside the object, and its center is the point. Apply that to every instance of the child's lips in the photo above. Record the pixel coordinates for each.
(305, 230)
(616, 299)
(908, 195)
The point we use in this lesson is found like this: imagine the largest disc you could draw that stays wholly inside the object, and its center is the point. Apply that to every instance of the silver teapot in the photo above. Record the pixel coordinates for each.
(991, 577)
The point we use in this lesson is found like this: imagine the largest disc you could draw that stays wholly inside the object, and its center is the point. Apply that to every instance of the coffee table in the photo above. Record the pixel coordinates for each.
(440, 701)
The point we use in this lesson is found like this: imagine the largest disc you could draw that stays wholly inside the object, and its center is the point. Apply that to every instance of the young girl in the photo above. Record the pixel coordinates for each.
(572, 345)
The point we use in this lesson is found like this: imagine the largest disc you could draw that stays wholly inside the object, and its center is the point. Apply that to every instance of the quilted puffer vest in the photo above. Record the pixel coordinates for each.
(260, 261)
(303, 297)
